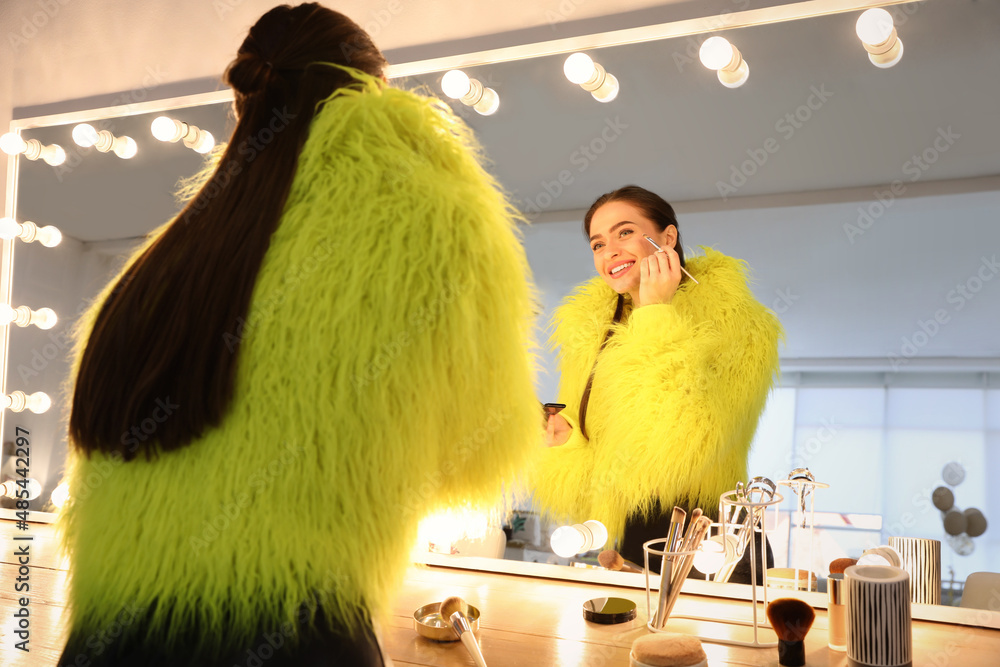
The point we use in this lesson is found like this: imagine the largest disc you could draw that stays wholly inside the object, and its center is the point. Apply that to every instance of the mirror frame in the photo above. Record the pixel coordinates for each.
(748, 18)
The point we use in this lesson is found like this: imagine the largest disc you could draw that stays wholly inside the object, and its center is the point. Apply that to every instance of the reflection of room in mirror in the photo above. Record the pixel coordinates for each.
(103, 206)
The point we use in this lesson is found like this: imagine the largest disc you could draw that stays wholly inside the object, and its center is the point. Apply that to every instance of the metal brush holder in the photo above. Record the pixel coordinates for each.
(803, 483)
(754, 499)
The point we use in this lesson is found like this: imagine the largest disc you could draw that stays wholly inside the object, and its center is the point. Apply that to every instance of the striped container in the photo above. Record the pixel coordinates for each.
(922, 561)
(879, 630)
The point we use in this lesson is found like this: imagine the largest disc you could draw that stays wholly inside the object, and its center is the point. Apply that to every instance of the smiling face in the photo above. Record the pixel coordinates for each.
(616, 239)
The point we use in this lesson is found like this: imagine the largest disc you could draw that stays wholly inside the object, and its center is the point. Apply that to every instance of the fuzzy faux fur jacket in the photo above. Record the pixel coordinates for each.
(675, 401)
(384, 373)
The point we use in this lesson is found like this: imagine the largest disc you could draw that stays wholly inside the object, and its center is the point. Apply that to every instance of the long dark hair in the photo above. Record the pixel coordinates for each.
(157, 354)
(661, 213)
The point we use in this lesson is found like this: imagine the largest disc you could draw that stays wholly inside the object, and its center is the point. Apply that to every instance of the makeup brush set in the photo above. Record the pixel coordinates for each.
(679, 548)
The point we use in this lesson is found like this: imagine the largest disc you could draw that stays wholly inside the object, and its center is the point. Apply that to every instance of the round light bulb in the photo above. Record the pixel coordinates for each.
(38, 402)
(489, 103)
(9, 229)
(126, 148)
(49, 236)
(735, 79)
(608, 90)
(456, 84)
(874, 26)
(60, 495)
(34, 488)
(716, 52)
(166, 129)
(45, 318)
(889, 59)
(567, 541)
(12, 144)
(599, 532)
(54, 155)
(7, 314)
(206, 143)
(711, 556)
(579, 68)
(85, 135)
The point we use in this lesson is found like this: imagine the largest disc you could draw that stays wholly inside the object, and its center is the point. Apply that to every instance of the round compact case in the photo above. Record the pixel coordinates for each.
(666, 649)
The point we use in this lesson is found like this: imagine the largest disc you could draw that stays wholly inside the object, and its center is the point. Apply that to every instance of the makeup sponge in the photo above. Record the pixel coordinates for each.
(666, 649)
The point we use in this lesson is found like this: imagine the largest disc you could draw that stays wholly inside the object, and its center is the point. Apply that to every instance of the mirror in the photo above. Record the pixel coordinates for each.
(861, 197)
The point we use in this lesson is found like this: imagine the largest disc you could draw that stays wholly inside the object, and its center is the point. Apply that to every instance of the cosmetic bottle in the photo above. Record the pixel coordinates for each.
(837, 613)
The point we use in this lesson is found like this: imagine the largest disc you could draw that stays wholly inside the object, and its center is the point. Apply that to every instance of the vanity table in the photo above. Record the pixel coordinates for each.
(526, 621)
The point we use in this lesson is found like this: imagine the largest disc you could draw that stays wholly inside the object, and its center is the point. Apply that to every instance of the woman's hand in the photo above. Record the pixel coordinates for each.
(659, 276)
(557, 431)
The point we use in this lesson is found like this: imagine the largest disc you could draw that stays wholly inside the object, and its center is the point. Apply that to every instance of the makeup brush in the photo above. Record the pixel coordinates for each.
(791, 620)
(697, 531)
(674, 535)
(688, 538)
(612, 560)
(658, 249)
(840, 564)
(455, 611)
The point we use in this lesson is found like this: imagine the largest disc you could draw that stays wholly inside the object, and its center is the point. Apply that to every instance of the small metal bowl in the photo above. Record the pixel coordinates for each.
(428, 623)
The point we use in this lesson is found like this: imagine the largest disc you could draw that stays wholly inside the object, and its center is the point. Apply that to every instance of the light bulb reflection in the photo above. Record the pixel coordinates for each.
(12, 144)
(456, 84)
(567, 541)
(60, 495)
(874, 26)
(579, 68)
(85, 135)
(711, 556)
(716, 52)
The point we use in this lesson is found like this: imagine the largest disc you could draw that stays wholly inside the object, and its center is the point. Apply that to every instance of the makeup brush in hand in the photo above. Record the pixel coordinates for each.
(612, 560)
(455, 612)
(791, 620)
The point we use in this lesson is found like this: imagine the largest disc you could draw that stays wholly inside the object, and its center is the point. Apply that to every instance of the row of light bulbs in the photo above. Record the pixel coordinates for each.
(24, 316)
(86, 136)
(874, 28)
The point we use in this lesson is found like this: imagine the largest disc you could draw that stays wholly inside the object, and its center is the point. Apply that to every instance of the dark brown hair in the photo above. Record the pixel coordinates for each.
(661, 213)
(158, 347)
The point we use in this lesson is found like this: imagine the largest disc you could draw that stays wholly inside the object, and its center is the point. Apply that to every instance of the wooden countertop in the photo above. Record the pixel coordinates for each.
(525, 622)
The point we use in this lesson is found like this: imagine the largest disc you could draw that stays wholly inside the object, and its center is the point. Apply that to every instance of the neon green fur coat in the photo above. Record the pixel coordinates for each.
(384, 373)
(675, 401)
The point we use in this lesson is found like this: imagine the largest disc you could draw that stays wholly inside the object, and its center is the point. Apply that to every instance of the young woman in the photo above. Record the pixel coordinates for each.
(663, 379)
(294, 370)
